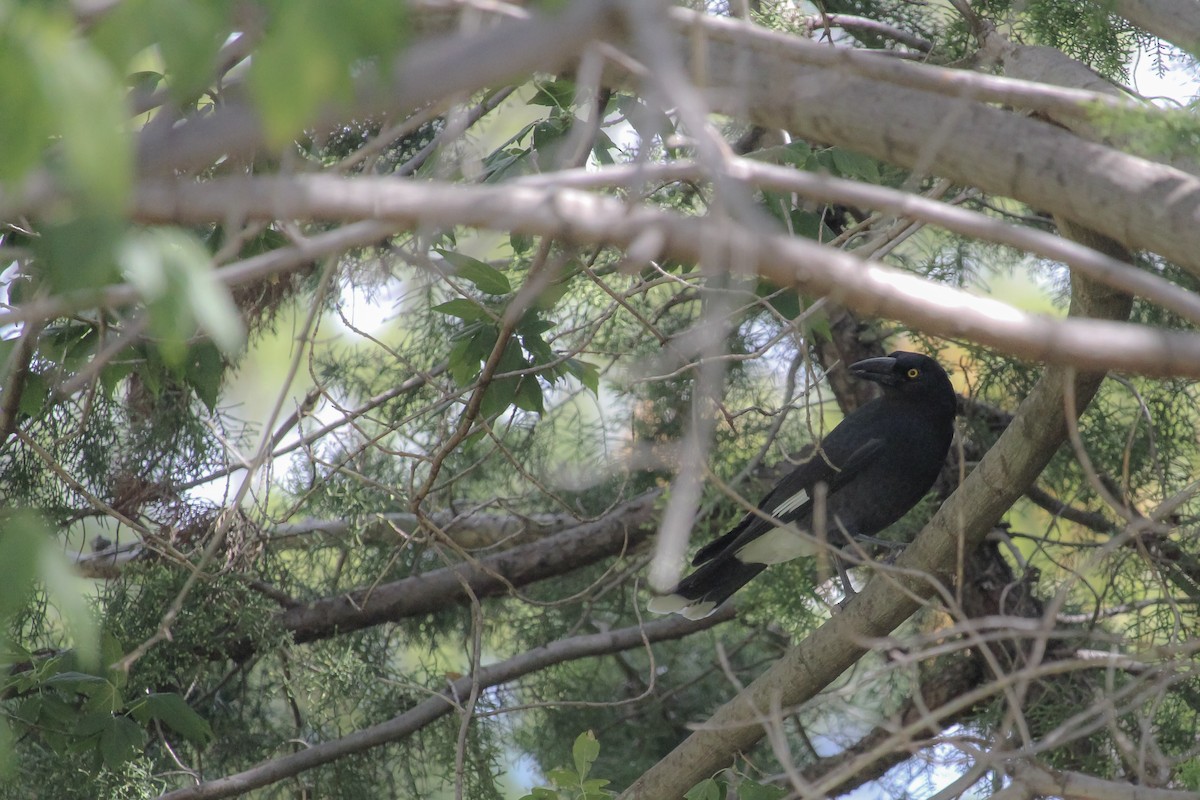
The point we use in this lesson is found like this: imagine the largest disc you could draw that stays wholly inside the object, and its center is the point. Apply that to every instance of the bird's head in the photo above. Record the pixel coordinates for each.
(910, 375)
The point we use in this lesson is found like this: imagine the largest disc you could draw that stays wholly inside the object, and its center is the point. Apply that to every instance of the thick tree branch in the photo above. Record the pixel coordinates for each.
(1142, 204)
(620, 529)
(1175, 21)
(1040, 781)
(828, 189)
(428, 71)
(646, 233)
(424, 713)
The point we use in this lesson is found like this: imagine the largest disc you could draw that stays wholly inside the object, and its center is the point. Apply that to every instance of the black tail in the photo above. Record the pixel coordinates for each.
(700, 593)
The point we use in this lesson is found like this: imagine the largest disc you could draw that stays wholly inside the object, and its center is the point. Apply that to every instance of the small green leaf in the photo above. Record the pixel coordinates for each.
(91, 723)
(204, 370)
(173, 272)
(520, 242)
(33, 395)
(486, 278)
(462, 308)
(586, 373)
(120, 741)
(752, 790)
(500, 394)
(854, 165)
(707, 789)
(584, 752)
(173, 711)
(529, 395)
(22, 536)
(563, 777)
(555, 94)
(80, 682)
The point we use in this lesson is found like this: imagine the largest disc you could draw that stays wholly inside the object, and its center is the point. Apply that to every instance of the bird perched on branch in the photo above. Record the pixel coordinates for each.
(875, 465)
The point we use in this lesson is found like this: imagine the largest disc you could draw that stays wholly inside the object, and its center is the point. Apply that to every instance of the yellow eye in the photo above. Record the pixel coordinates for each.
(913, 373)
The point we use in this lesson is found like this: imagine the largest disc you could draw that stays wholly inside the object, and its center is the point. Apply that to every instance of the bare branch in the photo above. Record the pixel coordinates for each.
(1142, 204)
(1039, 780)
(865, 286)
(621, 529)
(426, 712)
(426, 72)
(1174, 21)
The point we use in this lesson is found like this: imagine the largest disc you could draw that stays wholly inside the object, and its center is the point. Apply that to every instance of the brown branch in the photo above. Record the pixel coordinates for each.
(776, 86)
(424, 713)
(1041, 781)
(1174, 21)
(944, 680)
(428, 71)
(621, 529)
(583, 218)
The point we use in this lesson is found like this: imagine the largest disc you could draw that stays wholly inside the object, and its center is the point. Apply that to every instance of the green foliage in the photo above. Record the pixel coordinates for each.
(574, 784)
(594, 386)
(747, 788)
(171, 269)
(311, 51)
(1084, 31)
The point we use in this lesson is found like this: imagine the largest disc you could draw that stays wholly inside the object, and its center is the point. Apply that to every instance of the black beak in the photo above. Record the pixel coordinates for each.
(881, 370)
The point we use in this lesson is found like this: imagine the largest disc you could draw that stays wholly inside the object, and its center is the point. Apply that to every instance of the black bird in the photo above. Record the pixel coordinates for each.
(876, 464)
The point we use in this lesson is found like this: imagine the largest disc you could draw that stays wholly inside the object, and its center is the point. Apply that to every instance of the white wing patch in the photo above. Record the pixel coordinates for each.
(791, 504)
(776, 546)
(678, 604)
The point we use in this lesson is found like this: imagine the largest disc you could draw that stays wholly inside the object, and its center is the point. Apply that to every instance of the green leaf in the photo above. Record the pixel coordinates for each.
(854, 165)
(500, 394)
(66, 592)
(22, 537)
(520, 242)
(752, 790)
(555, 94)
(173, 272)
(33, 395)
(707, 789)
(563, 777)
(602, 148)
(510, 163)
(120, 742)
(584, 752)
(464, 309)
(79, 253)
(204, 371)
(173, 711)
(785, 301)
(486, 278)
(586, 373)
(80, 682)
(529, 395)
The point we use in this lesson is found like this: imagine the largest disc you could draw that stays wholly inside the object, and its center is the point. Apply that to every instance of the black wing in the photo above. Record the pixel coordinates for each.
(791, 499)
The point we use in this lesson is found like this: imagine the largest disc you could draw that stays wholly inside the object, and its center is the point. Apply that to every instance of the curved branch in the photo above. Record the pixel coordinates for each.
(419, 716)
(647, 233)
(1139, 203)
(1174, 21)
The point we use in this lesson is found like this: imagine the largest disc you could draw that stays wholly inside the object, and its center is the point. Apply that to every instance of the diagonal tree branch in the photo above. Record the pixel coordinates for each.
(621, 529)
(1174, 21)
(773, 84)
(419, 716)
